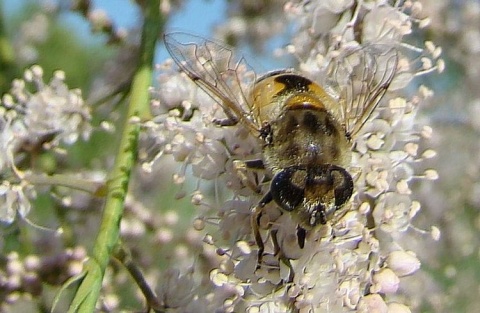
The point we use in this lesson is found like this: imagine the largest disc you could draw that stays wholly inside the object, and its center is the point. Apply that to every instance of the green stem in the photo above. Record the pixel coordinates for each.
(7, 56)
(108, 237)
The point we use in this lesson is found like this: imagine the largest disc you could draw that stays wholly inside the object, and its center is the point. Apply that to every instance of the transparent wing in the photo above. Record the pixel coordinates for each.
(215, 69)
(363, 75)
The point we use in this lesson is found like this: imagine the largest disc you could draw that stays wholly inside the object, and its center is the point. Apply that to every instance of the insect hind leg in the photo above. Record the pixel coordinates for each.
(281, 257)
(255, 222)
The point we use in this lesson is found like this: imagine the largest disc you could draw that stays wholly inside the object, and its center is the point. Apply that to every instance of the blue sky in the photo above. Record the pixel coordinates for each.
(197, 17)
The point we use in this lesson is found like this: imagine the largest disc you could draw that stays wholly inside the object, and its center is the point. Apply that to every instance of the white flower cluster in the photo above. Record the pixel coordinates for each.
(355, 262)
(261, 25)
(35, 115)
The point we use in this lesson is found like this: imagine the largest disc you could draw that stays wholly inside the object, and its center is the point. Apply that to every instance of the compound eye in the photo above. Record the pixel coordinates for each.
(287, 187)
(314, 192)
(343, 185)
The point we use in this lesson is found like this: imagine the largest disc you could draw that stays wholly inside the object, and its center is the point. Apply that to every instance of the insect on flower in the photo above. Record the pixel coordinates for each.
(306, 132)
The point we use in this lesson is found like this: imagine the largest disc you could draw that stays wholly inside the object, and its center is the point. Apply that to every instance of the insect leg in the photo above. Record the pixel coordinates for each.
(254, 164)
(281, 257)
(229, 121)
(301, 234)
(255, 222)
(241, 168)
(276, 246)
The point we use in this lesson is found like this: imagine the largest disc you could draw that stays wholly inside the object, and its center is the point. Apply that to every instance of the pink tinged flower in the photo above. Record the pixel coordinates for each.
(395, 307)
(403, 263)
(386, 25)
(177, 289)
(385, 282)
(373, 303)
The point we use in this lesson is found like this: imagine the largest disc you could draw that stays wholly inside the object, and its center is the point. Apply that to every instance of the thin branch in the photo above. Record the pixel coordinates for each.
(70, 181)
(124, 257)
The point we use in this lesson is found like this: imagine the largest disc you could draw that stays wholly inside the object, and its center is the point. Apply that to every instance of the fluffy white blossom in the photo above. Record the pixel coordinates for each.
(352, 263)
(34, 115)
(51, 110)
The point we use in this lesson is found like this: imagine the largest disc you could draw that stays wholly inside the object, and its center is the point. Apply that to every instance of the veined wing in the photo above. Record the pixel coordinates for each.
(363, 75)
(215, 69)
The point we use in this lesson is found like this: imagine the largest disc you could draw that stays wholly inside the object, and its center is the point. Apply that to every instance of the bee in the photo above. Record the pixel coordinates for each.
(305, 131)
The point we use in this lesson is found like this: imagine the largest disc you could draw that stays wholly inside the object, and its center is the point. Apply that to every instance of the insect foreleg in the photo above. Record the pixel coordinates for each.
(301, 235)
(241, 168)
(229, 121)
